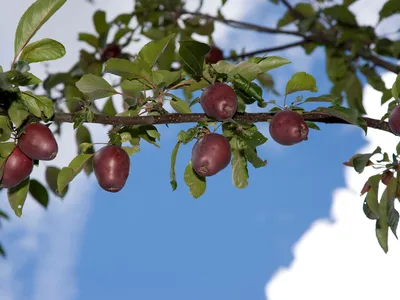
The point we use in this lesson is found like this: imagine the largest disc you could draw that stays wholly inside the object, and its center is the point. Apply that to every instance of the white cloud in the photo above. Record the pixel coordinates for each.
(50, 241)
(341, 259)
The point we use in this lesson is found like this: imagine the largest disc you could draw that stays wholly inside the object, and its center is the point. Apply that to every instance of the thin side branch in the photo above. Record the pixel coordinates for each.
(318, 38)
(266, 50)
(242, 25)
(318, 117)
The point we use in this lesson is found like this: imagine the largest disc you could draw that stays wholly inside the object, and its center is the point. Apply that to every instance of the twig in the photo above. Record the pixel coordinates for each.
(266, 50)
(242, 25)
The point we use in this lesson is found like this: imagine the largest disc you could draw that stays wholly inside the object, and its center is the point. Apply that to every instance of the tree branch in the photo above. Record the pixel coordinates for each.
(242, 25)
(318, 117)
(380, 62)
(318, 37)
(265, 50)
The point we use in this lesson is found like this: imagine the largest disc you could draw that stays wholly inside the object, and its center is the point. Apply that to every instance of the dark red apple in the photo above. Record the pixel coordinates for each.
(214, 55)
(38, 142)
(219, 101)
(17, 168)
(387, 176)
(288, 128)
(394, 120)
(110, 51)
(211, 154)
(111, 165)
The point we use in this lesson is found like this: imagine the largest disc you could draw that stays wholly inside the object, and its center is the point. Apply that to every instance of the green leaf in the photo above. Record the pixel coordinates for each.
(312, 125)
(5, 128)
(301, 81)
(84, 146)
(323, 98)
(382, 225)
(78, 162)
(342, 14)
(305, 9)
(6, 149)
(270, 62)
(126, 69)
(344, 113)
(30, 103)
(4, 215)
(172, 173)
(253, 137)
(248, 70)
(197, 184)
(348, 2)
(45, 105)
(253, 158)
(354, 93)
(17, 113)
(67, 174)
(179, 105)
(369, 213)
(120, 34)
(91, 39)
(83, 136)
(372, 195)
(392, 213)
(32, 20)
(51, 179)
(95, 87)
(100, 22)
(39, 192)
(2, 251)
(165, 76)
(131, 150)
(187, 136)
(390, 8)
(43, 50)
(109, 108)
(153, 50)
(396, 88)
(361, 161)
(374, 79)
(249, 88)
(240, 173)
(17, 196)
(192, 54)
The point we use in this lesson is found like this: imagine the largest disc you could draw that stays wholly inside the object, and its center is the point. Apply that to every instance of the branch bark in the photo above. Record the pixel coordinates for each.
(318, 117)
(266, 50)
(242, 25)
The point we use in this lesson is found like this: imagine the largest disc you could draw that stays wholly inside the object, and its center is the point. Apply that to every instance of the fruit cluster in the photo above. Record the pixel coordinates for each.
(36, 142)
(212, 152)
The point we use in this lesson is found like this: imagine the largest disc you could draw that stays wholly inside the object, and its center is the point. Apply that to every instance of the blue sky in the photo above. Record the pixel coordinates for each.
(148, 242)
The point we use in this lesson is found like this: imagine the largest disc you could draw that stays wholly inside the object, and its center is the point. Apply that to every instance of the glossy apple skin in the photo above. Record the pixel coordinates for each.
(288, 128)
(214, 56)
(211, 154)
(17, 168)
(111, 165)
(38, 142)
(394, 120)
(219, 101)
